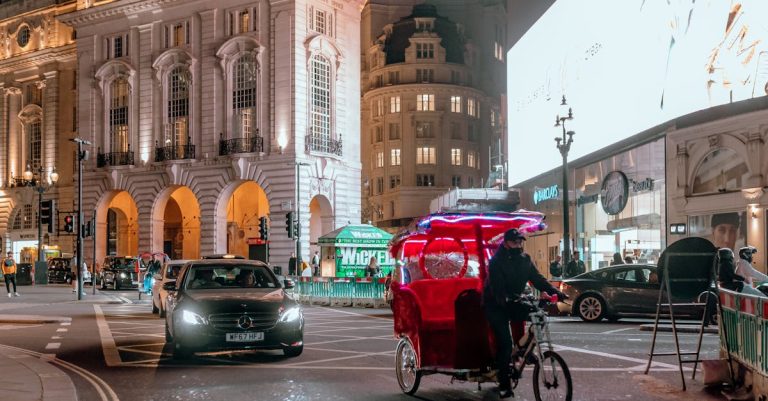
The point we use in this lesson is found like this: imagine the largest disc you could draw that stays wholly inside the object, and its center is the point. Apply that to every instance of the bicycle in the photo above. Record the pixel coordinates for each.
(550, 372)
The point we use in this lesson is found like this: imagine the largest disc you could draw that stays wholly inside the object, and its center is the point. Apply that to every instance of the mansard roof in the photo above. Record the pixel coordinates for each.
(403, 30)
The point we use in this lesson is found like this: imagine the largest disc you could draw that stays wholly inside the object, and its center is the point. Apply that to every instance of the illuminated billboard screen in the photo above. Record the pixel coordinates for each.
(626, 66)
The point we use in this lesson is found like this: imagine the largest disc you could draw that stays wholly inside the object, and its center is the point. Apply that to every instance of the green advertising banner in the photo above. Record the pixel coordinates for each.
(352, 261)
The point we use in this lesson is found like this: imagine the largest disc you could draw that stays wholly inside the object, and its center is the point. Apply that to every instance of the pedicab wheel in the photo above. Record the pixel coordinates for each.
(552, 379)
(408, 375)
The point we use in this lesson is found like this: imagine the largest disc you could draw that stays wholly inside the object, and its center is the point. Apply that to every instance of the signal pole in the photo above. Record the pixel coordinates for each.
(81, 155)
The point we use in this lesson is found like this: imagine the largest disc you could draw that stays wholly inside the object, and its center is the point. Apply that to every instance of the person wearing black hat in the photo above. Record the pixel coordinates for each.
(725, 229)
(744, 266)
(508, 272)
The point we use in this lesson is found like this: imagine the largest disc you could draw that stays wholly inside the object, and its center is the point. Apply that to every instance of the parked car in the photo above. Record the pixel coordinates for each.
(620, 291)
(120, 272)
(231, 304)
(167, 274)
(60, 271)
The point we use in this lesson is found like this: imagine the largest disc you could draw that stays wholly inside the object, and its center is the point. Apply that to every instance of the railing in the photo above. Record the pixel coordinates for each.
(340, 291)
(240, 145)
(744, 329)
(114, 158)
(178, 152)
(323, 144)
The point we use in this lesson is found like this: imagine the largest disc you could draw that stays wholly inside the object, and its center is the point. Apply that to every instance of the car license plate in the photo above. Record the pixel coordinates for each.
(245, 337)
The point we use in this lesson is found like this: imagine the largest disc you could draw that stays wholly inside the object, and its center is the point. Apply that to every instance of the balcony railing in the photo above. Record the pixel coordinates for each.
(323, 144)
(240, 145)
(177, 152)
(114, 158)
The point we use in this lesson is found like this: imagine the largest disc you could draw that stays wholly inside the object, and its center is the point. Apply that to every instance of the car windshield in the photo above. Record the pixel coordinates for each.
(172, 271)
(229, 276)
(122, 263)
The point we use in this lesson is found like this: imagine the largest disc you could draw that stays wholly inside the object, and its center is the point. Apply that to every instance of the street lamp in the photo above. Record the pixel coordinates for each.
(564, 145)
(35, 180)
(298, 164)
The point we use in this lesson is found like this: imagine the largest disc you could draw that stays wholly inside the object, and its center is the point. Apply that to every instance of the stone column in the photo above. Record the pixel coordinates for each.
(755, 159)
(50, 87)
(682, 169)
(15, 152)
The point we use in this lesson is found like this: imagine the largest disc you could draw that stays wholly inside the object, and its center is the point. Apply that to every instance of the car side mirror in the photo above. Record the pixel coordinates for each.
(170, 286)
(288, 284)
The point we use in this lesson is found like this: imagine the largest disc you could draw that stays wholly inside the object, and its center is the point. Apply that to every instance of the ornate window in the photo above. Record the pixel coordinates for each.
(425, 102)
(456, 104)
(394, 159)
(394, 104)
(426, 155)
(177, 131)
(22, 37)
(722, 170)
(456, 157)
(425, 50)
(244, 97)
(118, 115)
(34, 130)
(320, 97)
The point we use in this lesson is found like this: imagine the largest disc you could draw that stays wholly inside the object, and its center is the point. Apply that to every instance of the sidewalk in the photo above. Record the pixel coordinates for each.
(29, 375)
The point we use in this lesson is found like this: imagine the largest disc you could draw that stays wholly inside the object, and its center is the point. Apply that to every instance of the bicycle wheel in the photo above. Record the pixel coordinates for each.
(408, 375)
(552, 379)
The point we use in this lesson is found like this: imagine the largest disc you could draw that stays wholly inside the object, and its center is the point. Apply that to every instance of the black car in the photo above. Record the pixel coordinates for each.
(59, 271)
(119, 272)
(620, 291)
(231, 304)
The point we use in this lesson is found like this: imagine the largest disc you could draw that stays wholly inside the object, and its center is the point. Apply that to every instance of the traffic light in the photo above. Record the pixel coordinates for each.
(69, 223)
(48, 213)
(87, 229)
(264, 228)
(289, 225)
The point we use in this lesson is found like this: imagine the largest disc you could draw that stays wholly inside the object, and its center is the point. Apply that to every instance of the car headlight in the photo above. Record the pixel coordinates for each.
(122, 275)
(192, 318)
(290, 315)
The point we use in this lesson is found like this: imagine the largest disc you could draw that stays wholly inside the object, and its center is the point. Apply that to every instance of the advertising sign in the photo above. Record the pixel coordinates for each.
(352, 261)
(627, 66)
(724, 230)
(613, 195)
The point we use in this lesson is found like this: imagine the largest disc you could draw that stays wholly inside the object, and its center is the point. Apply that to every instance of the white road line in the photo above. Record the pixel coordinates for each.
(62, 330)
(613, 356)
(56, 338)
(388, 338)
(619, 330)
(346, 329)
(111, 354)
(66, 323)
(359, 314)
(53, 346)
(343, 358)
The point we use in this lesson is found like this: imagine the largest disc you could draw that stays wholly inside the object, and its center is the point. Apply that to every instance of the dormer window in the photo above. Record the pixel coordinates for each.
(425, 24)
(425, 51)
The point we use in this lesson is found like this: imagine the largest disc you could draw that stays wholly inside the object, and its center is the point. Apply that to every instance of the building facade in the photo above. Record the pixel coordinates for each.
(431, 116)
(37, 104)
(206, 117)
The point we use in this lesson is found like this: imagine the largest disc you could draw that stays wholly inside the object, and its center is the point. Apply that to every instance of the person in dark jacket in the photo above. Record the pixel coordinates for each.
(617, 259)
(556, 269)
(574, 267)
(508, 272)
(727, 276)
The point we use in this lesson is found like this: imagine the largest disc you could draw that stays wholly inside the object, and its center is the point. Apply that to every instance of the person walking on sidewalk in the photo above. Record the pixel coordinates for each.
(9, 273)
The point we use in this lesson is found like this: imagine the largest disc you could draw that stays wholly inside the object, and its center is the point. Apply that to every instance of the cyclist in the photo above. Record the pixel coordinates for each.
(508, 272)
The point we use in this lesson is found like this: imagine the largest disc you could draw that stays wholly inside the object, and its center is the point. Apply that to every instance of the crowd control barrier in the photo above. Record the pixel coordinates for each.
(744, 335)
(340, 291)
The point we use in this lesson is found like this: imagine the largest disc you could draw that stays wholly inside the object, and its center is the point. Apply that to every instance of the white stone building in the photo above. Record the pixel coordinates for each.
(199, 113)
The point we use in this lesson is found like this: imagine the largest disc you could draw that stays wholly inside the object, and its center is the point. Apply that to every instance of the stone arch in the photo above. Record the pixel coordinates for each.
(732, 175)
(122, 238)
(175, 220)
(238, 209)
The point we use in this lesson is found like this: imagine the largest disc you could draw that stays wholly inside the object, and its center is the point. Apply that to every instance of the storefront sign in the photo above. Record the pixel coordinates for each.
(644, 185)
(613, 194)
(542, 194)
(583, 200)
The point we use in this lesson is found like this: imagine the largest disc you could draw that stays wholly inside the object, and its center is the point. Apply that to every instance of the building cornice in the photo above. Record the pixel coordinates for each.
(61, 54)
(421, 87)
(103, 12)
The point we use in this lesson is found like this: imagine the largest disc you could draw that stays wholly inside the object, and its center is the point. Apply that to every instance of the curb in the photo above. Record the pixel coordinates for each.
(33, 319)
(681, 328)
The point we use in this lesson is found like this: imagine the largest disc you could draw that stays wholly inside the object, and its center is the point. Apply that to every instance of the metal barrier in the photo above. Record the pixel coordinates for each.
(340, 291)
(745, 329)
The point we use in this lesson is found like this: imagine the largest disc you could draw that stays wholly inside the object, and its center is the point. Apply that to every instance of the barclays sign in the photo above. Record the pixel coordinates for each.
(543, 194)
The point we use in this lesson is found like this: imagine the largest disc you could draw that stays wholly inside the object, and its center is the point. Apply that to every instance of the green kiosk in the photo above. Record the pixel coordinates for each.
(346, 251)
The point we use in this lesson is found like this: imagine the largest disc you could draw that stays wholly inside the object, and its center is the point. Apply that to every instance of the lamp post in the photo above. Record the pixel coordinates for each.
(298, 164)
(35, 180)
(564, 145)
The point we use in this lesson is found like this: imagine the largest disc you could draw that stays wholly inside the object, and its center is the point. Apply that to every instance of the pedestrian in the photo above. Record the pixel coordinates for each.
(306, 271)
(628, 260)
(744, 266)
(316, 264)
(292, 264)
(9, 274)
(75, 274)
(727, 276)
(556, 269)
(508, 272)
(617, 259)
(373, 267)
(575, 266)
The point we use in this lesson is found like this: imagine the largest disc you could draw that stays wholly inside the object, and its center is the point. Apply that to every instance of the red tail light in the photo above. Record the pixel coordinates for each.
(564, 287)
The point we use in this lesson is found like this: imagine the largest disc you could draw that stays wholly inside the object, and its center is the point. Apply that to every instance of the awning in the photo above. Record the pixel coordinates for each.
(358, 235)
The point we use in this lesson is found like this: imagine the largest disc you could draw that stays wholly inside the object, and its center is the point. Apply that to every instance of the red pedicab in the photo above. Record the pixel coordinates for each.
(437, 302)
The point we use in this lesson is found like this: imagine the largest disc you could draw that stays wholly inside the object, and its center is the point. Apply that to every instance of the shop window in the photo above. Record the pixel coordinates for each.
(722, 170)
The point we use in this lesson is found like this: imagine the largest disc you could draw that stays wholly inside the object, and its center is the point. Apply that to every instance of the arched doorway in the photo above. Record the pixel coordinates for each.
(246, 205)
(181, 225)
(320, 222)
(122, 231)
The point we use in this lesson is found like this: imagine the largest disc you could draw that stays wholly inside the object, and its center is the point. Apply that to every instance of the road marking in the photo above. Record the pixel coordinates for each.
(56, 338)
(619, 330)
(62, 330)
(613, 356)
(111, 354)
(66, 323)
(53, 346)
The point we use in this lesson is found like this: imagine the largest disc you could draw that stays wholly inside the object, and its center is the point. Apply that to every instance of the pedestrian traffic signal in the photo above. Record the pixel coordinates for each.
(289, 224)
(47, 213)
(69, 223)
(87, 229)
(264, 228)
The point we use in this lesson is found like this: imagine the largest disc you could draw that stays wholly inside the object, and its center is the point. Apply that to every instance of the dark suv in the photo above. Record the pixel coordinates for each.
(120, 272)
(231, 304)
